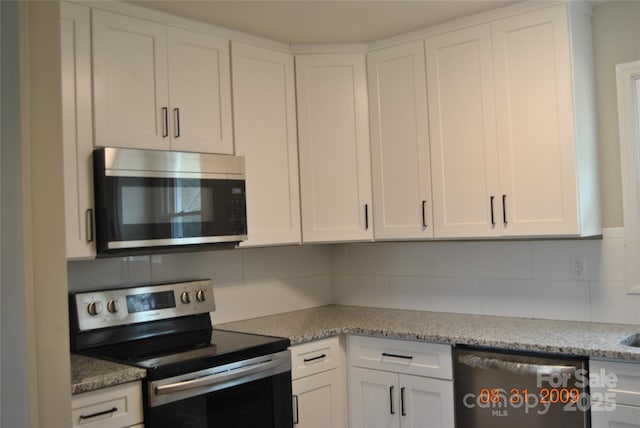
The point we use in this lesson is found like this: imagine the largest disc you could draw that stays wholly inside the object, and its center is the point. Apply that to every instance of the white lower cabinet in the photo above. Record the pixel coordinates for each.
(118, 406)
(615, 394)
(398, 383)
(319, 387)
(386, 399)
(318, 401)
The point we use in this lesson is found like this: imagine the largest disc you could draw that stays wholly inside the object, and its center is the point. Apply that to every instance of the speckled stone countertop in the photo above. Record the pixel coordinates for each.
(88, 374)
(596, 340)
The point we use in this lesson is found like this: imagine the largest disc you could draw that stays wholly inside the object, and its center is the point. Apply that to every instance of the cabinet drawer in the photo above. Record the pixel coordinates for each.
(117, 406)
(625, 385)
(315, 357)
(402, 356)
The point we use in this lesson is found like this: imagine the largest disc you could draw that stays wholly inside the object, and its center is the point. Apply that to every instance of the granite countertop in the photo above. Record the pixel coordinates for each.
(597, 340)
(88, 374)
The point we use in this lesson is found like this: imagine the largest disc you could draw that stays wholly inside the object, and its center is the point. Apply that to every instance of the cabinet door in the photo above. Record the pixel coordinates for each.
(265, 134)
(400, 142)
(535, 123)
(77, 129)
(620, 417)
(318, 401)
(426, 402)
(129, 82)
(335, 171)
(373, 399)
(200, 93)
(462, 133)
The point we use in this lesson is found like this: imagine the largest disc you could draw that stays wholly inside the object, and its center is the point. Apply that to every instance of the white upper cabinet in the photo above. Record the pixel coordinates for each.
(200, 92)
(335, 170)
(157, 87)
(462, 130)
(512, 127)
(130, 75)
(77, 130)
(264, 114)
(400, 142)
(538, 145)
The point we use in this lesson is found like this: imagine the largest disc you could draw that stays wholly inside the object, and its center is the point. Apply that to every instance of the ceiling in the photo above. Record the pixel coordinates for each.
(323, 21)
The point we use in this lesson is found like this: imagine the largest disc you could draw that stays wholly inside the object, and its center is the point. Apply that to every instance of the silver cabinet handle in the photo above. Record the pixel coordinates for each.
(493, 220)
(176, 113)
(296, 415)
(165, 122)
(504, 209)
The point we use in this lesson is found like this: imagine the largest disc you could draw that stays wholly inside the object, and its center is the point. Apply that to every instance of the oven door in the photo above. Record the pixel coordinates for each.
(250, 393)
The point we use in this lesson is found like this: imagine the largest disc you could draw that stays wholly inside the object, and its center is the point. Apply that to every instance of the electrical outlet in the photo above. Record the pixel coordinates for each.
(578, 267)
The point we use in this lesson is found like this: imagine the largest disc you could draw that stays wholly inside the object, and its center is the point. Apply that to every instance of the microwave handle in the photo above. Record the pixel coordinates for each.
(89, 224)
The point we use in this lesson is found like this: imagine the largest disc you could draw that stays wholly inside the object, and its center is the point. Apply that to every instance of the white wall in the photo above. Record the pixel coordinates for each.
(616, 39)
(14, 394)
(247, 283)
(512, 278)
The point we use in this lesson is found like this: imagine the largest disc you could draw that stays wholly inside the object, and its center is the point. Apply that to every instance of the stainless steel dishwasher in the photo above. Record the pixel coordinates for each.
(496, 389)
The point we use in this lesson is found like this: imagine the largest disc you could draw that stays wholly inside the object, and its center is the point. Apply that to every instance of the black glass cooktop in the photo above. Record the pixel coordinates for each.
(184, 352)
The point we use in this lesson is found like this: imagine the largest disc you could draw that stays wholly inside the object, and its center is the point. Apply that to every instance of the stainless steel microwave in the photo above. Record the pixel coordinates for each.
(150, 201)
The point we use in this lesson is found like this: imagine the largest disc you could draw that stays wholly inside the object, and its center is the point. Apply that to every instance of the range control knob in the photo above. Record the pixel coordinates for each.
(112, 306)
(200, 296)
(94, 308)
(185, 298)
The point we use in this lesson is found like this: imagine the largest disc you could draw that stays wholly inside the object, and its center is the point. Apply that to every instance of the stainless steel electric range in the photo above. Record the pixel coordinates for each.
(197, 376)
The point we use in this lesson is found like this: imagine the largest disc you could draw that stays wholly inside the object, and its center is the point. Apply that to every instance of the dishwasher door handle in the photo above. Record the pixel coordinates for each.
(475, 361)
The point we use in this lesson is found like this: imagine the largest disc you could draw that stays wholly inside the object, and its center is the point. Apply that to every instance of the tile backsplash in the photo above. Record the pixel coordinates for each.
(247, 282)
(515, 278)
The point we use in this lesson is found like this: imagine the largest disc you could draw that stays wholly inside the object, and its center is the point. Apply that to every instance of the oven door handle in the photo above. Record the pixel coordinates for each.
(233, 374)
(475, 361)
(225, 378)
